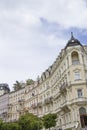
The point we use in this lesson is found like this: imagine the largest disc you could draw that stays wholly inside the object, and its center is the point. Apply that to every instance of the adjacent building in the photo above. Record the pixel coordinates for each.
(4, 100)
(4, 88)
(16, 104)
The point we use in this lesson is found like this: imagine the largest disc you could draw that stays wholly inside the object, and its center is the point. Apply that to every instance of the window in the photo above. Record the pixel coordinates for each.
(79, 92)
(75, 58)
(82, 111)
(77, 75)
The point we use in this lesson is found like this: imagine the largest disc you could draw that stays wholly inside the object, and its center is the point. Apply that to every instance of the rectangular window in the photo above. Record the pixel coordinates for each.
(79, 92)
(77, 75)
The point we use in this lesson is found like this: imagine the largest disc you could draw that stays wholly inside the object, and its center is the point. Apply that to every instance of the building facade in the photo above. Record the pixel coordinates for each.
(61, 89)
(16, 105)
(4, 100)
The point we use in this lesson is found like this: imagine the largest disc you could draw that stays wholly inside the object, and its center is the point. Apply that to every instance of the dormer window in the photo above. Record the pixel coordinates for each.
(75, 58)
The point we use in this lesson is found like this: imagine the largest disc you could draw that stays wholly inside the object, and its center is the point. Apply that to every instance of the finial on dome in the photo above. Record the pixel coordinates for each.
(72, 35)
(73, 41)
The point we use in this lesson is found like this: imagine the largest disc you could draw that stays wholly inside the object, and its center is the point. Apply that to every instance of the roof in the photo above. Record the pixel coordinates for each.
(73, 42)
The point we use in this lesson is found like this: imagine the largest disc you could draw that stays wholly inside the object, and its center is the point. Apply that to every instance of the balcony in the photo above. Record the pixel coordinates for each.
(64, 86)
(75, 62)
(4, 113)
(26, 109)
(48, 100)
(65, 106)
(19, 110)
(79, 101)
(34, 105)
(39, 104)
(21, 101)
(9, 106)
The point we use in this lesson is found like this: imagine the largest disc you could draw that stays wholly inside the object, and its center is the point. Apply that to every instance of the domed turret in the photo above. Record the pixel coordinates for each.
(4, 88)
(73, 42)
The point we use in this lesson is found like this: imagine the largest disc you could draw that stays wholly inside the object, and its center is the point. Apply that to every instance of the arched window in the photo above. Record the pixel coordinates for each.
(82, 111)
(75, 58)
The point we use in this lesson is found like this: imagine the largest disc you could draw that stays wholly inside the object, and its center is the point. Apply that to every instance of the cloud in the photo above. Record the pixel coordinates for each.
(67, 13)
(33, 32)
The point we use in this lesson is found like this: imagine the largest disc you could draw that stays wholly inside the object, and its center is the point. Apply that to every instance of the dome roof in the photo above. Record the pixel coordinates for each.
(4, 86)
(73, 42)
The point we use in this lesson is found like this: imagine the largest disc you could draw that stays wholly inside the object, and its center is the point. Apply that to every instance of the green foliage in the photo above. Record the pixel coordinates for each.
(10, 126)
(29, 81)
(25, 122)
(49, 120)
(4, 126)
(69, 129)
(29, 122)
(18, 85)
(1, 123)
(14, 126)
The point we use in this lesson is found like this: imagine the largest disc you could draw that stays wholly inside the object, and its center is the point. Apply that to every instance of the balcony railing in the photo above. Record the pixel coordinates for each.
(21, 101)
(64, 86)
(79, 100)
(4, 113)
(65, 106)
(20, 110)
(75, 62)
(49, 100)
(9, 106)
(39, 104)
(26, 109)
(34, 105)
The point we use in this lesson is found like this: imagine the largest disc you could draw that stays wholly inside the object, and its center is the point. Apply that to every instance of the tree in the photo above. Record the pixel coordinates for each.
(1, 123)
(29, 81)
(14, 126)
(4, 126)
(49, 120)
(10, 126)
(18, 85)
(29, 122)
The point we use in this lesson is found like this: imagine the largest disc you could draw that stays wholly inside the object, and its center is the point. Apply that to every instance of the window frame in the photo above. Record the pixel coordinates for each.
(79, 93)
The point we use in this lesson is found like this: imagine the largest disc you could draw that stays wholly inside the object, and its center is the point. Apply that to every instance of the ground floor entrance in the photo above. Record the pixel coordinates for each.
(83, 119)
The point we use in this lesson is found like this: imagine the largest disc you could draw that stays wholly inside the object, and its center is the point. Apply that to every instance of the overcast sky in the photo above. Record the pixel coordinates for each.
(33, 32)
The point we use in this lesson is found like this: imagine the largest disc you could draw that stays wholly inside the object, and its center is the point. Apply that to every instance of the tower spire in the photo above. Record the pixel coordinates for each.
(73, 41)
(72, 37)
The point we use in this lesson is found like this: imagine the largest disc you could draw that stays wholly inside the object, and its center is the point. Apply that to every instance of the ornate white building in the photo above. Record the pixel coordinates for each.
(61, 89)
(16, 105)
